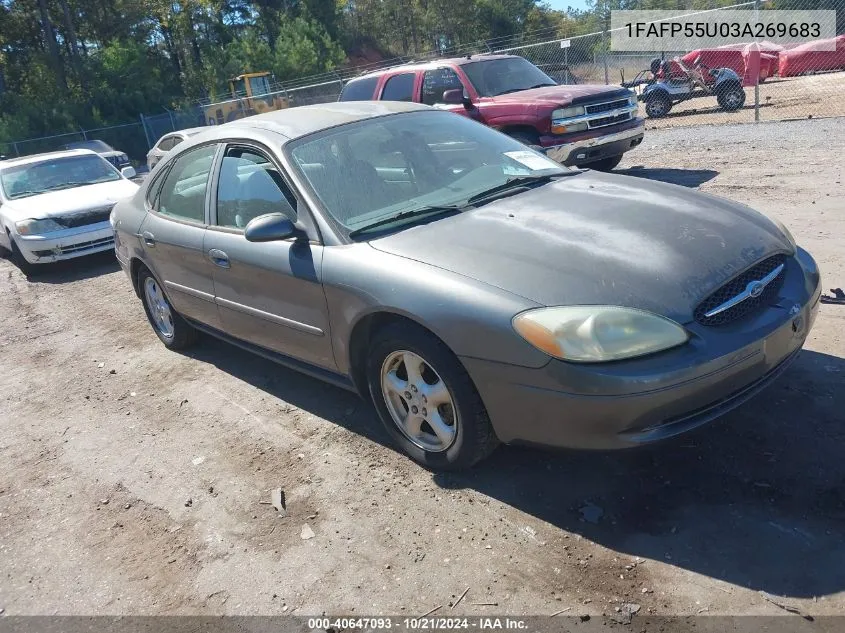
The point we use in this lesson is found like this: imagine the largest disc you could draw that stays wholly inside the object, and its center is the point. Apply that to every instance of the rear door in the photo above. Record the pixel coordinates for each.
(172, 235)
(269, 294)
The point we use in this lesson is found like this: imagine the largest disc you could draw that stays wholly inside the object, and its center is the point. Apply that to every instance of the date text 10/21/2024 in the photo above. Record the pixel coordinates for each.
(417, 624)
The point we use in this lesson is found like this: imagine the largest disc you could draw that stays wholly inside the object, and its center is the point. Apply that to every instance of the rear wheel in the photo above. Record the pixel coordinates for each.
(171, 329)
(426, 400)
(731, 98)
(605, 164)
(658, 105)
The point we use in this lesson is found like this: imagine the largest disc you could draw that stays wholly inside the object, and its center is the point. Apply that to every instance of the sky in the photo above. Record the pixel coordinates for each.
(561, 5)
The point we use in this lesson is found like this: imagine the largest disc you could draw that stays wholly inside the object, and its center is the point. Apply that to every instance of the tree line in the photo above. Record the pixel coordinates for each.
(66, 64)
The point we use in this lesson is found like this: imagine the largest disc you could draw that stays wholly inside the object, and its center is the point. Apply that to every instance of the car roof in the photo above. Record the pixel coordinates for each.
(303, 120)
(428, 65)
(188, 131)
(37, 158)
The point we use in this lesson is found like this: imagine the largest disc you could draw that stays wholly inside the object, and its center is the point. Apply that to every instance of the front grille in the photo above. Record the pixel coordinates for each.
(84, 219)
(610, 120)
(77, 248)
(738, 285)
(598, 108)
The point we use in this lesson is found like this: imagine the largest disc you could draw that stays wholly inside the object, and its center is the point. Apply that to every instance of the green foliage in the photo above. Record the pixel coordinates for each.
(71, 64)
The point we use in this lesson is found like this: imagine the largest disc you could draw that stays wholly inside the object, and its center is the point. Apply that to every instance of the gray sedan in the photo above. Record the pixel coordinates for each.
(474, 290)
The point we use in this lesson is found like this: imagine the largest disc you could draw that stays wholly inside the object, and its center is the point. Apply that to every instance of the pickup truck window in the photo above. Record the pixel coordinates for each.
(399, 88)
(438, 81)
(501, 76)
(359, 89)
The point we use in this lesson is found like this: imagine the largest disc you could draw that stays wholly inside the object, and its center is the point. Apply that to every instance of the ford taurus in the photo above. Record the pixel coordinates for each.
(473, 289)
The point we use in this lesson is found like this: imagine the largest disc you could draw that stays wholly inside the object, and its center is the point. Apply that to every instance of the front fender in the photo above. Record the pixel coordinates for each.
(470, 317)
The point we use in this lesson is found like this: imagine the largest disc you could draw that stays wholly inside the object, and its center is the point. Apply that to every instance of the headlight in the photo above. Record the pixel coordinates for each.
(632, 99)
(568, 113)
(597, 334)
(786, 232)
(37, 227)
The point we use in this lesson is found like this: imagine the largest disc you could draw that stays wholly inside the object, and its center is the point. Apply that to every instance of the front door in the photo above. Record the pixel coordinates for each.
(173, 232)
(269, 294)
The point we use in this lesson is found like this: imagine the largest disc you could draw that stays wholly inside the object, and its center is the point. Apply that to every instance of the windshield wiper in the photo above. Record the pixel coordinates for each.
(65, 185)
(505, 92)
(409, 213)
(24, 194)
(512, 185)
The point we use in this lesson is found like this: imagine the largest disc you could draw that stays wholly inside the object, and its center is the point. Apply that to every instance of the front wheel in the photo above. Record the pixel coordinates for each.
(731, 99)
(426, 400)
(658, 105)
(605, 164)
(171, 329)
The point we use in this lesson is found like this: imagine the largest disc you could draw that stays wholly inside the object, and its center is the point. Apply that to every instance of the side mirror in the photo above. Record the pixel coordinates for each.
(128, 172)
(454, 96)
(271, 227)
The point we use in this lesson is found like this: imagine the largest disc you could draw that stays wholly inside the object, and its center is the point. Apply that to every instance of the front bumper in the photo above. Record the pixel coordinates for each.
(66, 244)
(585, 151)
(630, 403)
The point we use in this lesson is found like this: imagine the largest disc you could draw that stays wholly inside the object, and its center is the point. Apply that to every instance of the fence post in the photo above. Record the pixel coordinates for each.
(84, 135)
(15, 145)
(605, 45)
(757, 74)
(146, 132)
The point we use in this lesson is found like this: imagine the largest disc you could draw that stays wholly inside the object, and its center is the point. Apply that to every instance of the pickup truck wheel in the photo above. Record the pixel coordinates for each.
(605, 164)
(532, 139)
(658, 105)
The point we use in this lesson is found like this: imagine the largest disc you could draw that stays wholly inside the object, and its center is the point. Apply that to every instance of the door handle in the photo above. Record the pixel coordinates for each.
(219, 258)
(149, 238)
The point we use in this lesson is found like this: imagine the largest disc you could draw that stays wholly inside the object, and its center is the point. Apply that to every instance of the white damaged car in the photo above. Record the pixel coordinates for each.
(56, 206)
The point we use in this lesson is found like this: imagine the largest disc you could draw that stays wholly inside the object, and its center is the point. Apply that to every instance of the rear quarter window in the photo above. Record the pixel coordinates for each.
(359, 89)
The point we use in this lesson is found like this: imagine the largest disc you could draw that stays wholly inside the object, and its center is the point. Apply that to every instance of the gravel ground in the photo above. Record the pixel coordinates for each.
(135, 480)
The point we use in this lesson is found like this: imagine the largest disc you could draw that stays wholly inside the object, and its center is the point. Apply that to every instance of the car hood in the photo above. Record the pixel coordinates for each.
(69, 201)
(596, 238)
(559, 95)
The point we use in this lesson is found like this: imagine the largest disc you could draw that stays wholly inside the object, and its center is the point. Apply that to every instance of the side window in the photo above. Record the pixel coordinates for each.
(399, 88)
(438, 81)
(359, 89)
(166, 143)
(183, 192)
(250, 186)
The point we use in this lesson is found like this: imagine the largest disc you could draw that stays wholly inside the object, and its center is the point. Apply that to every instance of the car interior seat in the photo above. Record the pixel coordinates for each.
(262, 193)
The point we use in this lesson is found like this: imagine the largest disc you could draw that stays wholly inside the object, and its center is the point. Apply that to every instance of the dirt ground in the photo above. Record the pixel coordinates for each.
(811, 96)
(135, 480)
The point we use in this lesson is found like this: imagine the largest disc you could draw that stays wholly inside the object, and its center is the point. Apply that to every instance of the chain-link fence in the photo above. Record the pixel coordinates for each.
(778, 82)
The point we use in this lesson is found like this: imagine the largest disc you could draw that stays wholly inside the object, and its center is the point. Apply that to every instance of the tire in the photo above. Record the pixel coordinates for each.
(472, 436)
(658, 105)
(171, 329)
(28, 269)
(531, 139)
(605, 164)
(731, 98)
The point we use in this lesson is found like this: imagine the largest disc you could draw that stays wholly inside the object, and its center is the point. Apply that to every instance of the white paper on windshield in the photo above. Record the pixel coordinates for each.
(532, 160)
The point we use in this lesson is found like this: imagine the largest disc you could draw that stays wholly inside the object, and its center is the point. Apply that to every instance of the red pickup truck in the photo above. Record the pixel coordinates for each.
(583, 125)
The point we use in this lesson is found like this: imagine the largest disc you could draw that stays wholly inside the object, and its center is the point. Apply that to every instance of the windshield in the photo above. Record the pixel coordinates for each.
(367, 171)
(97, 146)
(500, 76)
(22, 181)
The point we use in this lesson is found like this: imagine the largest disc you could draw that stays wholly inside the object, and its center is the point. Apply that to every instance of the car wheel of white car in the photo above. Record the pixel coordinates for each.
(426, 400)
(171, 329)
(17, 257)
